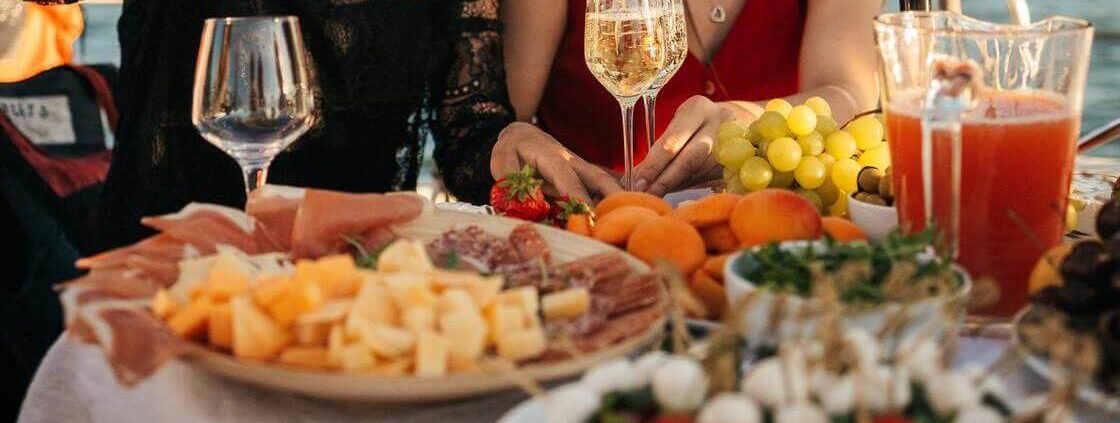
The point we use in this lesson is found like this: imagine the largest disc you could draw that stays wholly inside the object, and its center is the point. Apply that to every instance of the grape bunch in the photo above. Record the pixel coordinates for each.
(803, 149)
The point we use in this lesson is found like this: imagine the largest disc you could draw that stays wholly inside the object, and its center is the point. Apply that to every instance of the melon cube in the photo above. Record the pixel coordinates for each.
(486, 289)
(255, 335)
(163, 305)
(503, 319)
(304, 356)
(374, 303)
(329, 312)
(224, 284)
(467, 332)
(522, 345)
(385, 340)
(404, 255)
(355, 358)
(269, 290)
(336, 275)
(302, 298)
(336, 340)
(457, 300)
(566, 304)
(410, 289)
(190, 321)
(431, 354)
(525, 297)
(220, 326)
(419, 319)
(312, 333)
(393, 367)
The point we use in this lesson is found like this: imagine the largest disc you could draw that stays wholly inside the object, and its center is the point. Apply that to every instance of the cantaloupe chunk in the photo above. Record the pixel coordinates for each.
(163, 305)
(503, 318)
(467, 332)
(190, 321)
(219, 326)
(224, 284)
(404, 255)
(312, 333)
(336, 275)
(355, 358)
(305, 356)
(373, 303)
(457, 300)
(431, 354)
(268, 290)
(566, 304)
(303, 297)
(523, 344)
(231, 261)
(328, 312)
(419, 319)
(255, 335)
(410, 289)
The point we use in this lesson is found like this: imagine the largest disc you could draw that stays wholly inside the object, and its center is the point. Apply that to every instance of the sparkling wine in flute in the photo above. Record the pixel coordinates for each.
(625, 50)
(676, 43)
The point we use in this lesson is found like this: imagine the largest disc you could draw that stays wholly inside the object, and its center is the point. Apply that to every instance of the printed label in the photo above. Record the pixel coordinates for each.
(44, 120)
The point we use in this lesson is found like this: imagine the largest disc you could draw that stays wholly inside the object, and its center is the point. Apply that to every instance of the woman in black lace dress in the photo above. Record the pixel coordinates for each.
(391, 74)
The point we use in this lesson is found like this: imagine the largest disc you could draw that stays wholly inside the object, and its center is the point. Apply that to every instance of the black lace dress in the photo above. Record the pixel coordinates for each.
(391, 75)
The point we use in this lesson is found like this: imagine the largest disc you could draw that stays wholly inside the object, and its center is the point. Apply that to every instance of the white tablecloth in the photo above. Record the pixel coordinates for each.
(74, 384)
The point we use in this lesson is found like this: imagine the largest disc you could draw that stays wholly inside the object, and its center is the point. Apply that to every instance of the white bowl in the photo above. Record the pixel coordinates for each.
(923, 315)
(875, 220)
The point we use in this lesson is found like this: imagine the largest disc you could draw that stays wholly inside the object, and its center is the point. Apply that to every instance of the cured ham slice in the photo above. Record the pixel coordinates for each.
(159, 247)
(275, 207)
(136, 343)
(205, 226)
(325, 218)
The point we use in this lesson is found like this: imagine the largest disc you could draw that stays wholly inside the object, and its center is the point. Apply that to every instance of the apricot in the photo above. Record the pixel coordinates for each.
(632, 198)
(842, 229)
(714, 266)
(1045, 272)
(615, 227)
(710, 292)
(669, 239)
(774, 215)
(720, 239)
(708, 211)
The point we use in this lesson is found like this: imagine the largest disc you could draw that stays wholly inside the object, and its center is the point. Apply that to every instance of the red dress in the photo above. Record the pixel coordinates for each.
(757, 61)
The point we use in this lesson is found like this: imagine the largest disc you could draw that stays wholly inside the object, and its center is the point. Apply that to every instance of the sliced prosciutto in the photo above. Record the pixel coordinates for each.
(326, 218)
(275, 207)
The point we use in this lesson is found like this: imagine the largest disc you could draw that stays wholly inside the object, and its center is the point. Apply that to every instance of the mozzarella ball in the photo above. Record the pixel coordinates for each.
(802, 412)
(866, 347)
(572, 403)
(765, 383)
(647, 364)
(884, 388)
(680, 384)
(613, 375)
(950, 392)
(978, 414)
(730, 408)
(923, 360)
(837, 393)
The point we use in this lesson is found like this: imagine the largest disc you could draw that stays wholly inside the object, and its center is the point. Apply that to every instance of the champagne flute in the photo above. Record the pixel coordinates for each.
(252, 90)
(676, 50)
(624, 48)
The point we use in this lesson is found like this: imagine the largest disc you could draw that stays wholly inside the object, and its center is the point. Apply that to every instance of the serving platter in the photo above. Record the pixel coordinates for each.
(565, 247)
(1041, 365)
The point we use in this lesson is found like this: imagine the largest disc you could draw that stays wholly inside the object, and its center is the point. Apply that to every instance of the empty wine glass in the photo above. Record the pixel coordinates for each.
(252, 90)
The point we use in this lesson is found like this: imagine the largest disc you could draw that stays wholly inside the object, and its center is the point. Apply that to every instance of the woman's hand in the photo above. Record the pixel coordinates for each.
(683, 156)
(564, 173)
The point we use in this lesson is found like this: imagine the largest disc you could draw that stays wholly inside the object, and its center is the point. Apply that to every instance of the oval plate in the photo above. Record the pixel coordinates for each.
(386, 389)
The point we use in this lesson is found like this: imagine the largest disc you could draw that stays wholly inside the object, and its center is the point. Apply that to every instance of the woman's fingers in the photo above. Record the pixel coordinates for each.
(596, 179)
(690, 116)
(691, 161)
(558, 173)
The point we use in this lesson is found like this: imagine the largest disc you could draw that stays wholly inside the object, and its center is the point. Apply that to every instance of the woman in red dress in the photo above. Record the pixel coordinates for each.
(741, 51)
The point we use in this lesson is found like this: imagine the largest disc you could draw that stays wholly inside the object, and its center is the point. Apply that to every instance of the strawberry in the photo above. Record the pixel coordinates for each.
(519, 195)
(564, 207)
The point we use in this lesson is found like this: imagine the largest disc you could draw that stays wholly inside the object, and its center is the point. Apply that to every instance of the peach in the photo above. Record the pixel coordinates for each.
(668, 239)
(774, 215)
(842, 229)
(720, 239)
(708, 211)
(615, 227)
(631, 198)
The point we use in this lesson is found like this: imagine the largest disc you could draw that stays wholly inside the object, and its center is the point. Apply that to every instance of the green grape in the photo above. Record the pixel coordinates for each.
(840, 145)
(813, 197)
(810, 173)
(811, 145)
(734, 152)
(844, 174)
(779, 105)
(736, 186)
(840, 208)
(731, 129)
(756, 173)
(754, 134)
(763, 146)
(730, 174)
(867, 130)
(828, 192)
(801, 120)
(819, 106)
(772, 125)
(784, 154)
(782, 180)
(878, 157)
(827, 159)
(826, 125)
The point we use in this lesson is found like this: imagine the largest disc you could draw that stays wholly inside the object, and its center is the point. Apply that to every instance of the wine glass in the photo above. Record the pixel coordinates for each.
(676, 50)
(624, 47)
(252, 90)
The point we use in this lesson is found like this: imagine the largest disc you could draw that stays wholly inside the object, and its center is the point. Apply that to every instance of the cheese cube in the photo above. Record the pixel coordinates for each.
(355, 358)
(394, 367)
(486, 289)
(329, 312)
(467, 332)
(385, 340)
(410, 289)
(523, 344)
(404, 255)
(314, 334)
(525, 297)
(566, 304)
(503, 318)
(190, 321)
(419, 319)
(457, 300)
(336, 340)
(431, 354)
(230, 261)
(163, 305)
(219, 326)
(304, 356)
(255, 335)
(374, 303)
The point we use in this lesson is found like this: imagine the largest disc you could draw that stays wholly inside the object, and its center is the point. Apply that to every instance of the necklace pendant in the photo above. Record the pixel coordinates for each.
(718, 15)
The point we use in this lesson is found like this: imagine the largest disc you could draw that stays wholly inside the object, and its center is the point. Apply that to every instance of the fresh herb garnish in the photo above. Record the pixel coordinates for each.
(362, 257)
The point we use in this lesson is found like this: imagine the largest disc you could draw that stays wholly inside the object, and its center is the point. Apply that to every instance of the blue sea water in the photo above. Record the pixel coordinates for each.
(1102, 94)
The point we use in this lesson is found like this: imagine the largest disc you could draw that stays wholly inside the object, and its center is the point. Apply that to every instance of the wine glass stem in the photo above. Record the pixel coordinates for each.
(627, 105)
(255, 175)
(650, 100)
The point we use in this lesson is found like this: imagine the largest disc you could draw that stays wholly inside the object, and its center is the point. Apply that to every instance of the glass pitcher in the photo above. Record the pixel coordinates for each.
(982, 121)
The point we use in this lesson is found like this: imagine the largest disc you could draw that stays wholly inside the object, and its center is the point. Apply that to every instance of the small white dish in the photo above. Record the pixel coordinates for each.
(923, 315)
(875, 220)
